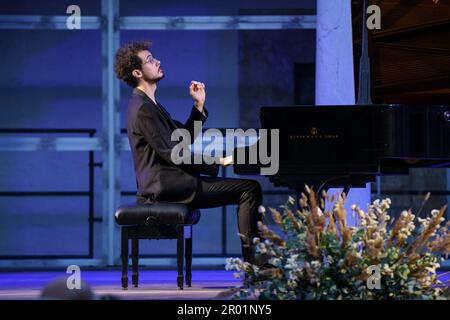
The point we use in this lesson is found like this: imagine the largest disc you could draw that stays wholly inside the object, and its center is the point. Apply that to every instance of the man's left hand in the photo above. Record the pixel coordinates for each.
(198, 93)
(226, 161)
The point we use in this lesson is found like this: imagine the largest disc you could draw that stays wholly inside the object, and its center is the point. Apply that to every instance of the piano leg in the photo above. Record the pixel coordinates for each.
(298, 199)
(346, 190)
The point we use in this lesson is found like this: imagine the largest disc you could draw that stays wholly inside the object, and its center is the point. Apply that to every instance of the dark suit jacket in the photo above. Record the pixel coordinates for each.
(150, 128)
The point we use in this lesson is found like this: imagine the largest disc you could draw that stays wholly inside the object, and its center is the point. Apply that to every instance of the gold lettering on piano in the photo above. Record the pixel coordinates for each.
(314, 135)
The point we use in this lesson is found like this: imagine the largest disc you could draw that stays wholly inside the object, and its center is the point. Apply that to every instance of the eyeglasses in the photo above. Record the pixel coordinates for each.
(150, 59)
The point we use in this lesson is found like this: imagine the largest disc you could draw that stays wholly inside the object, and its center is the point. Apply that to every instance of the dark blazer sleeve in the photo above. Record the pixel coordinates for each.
(195, 115)
(151, 124)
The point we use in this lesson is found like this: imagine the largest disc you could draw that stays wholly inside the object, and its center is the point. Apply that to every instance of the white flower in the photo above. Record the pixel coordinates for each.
(233, 264)
(292, 262)
(385, 204)
(261, 248)
(424, 222)
(430, 269)
(319, 212)
(434, 212)
(292, 276)
(261, 209)
(330, 259)
(292, 284)
(360, 213)
(291, 200)
(275, 261)
(387, 269)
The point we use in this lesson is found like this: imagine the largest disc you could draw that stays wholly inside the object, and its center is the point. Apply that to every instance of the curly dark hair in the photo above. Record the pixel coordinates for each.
(127, 60)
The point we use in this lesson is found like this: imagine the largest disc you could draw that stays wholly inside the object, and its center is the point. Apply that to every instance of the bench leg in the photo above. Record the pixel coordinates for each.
(189, 258)
(124, 256)
(180, 254)
(134, 261)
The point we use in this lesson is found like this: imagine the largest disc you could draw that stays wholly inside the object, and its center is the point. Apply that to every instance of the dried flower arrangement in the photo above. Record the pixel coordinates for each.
(316, 255)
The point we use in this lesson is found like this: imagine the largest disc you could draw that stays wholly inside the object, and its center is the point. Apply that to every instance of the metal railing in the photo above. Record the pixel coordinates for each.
(89, 193)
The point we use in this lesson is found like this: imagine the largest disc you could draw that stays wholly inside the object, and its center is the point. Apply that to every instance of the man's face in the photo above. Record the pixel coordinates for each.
(151, 67)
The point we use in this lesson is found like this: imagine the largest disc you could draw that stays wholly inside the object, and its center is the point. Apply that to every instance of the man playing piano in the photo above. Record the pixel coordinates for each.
(150, 128)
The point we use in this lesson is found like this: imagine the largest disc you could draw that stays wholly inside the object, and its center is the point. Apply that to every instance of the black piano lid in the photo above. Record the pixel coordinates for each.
(380, 131)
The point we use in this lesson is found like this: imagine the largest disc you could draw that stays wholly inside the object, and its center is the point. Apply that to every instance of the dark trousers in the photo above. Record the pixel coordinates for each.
(218, 192)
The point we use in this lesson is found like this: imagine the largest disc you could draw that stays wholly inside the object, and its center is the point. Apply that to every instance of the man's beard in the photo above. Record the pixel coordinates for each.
(153, 80)
(160, 78)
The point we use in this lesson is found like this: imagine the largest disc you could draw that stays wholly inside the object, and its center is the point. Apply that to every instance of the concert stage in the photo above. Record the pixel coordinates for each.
(153, 284)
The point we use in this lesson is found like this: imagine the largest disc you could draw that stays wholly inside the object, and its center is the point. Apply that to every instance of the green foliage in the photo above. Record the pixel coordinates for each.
(316, 255)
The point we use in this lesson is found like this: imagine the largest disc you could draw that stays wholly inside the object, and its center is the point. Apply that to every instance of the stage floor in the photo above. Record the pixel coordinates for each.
(153, 284)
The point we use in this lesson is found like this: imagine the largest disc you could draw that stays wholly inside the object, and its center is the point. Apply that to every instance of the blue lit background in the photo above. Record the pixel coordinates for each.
(53, 79)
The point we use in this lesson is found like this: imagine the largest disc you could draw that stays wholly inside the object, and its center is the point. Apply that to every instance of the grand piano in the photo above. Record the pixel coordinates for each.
(401, 120)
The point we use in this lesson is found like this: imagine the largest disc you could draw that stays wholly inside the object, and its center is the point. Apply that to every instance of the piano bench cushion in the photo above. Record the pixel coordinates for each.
(159, 213)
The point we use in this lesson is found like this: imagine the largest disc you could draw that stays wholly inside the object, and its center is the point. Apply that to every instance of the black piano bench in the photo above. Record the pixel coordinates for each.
(156, 221)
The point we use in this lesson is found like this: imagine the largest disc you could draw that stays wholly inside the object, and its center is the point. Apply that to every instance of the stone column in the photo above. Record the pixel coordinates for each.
(334, 71)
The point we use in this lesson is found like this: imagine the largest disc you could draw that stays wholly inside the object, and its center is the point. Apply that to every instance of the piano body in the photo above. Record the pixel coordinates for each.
(347, 146)
(407, 126)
